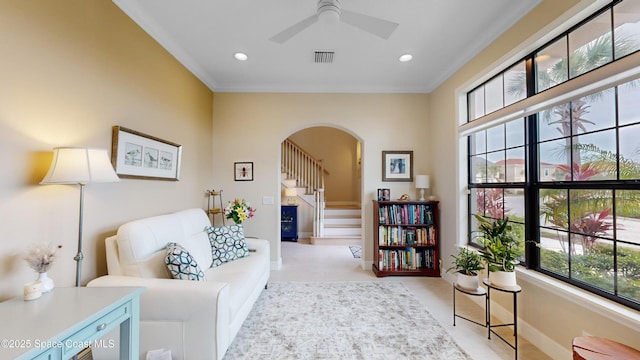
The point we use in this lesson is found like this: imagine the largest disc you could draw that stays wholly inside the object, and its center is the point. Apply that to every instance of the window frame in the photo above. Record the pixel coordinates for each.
(532, 184)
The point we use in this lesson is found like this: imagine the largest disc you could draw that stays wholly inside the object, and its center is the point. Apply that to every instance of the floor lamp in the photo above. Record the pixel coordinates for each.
(79, 166)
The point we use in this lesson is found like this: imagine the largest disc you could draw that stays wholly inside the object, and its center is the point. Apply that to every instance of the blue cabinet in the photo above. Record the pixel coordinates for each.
(289, 222)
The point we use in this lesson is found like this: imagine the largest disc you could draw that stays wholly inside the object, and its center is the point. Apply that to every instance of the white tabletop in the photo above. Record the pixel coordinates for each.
(58, 314)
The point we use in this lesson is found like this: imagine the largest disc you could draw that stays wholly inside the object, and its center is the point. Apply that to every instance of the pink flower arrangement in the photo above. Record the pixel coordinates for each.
(239, 210)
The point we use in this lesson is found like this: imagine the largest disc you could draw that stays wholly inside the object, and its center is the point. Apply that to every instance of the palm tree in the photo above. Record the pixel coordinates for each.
(571, 117)
(578, 211)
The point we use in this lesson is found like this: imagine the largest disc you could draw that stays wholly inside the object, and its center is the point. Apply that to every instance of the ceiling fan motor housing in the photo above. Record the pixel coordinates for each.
(329, 10)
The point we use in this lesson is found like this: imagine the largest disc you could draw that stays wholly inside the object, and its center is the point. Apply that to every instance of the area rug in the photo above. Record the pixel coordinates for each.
(341, 320)
(356, 251)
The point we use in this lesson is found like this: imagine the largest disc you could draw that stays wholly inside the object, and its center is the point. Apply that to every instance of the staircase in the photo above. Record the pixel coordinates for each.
(342, 226)
(331, 224)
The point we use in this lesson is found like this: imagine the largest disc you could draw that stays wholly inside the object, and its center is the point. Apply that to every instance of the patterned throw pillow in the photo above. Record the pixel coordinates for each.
(227, 243)
(181, 264)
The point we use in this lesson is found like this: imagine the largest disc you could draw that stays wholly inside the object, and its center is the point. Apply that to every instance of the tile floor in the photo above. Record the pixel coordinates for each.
(302, 261)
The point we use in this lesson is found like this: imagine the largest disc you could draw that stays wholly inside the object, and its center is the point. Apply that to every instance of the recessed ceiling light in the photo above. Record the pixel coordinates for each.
(240, 56)
(405, 58)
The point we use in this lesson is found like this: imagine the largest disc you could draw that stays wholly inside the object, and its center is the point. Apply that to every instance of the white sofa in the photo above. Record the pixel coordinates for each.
(193, 319)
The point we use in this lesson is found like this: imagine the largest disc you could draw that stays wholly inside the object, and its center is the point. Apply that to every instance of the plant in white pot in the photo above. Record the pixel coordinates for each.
(467, 264)
(499, 250)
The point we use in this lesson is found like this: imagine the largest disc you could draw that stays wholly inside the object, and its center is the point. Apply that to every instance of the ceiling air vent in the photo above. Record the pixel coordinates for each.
(323, 57)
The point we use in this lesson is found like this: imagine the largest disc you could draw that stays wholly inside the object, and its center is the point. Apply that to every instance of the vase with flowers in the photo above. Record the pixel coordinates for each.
(239, 210)
(40, 257)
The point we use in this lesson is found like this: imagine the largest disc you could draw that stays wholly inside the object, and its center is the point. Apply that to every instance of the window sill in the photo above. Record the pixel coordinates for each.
(616, 312)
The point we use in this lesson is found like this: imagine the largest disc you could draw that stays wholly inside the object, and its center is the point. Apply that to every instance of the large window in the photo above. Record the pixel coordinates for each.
(497, 175)
(571, 170)
(589, 212)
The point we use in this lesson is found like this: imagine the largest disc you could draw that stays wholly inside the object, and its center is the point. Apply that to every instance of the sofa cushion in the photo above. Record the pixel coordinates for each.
(227, 243)
(199, 247)
(181, 264)
(243, 276)
(141, 243)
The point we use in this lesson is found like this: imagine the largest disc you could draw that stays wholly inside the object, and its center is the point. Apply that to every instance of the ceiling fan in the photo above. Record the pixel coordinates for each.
(331, 11)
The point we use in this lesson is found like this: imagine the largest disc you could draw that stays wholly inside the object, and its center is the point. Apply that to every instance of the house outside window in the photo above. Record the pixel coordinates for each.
(566, 176)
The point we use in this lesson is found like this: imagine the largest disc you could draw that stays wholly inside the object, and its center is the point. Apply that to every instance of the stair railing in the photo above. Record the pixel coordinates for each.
(300, 165)
(309, 173)
(318, 214)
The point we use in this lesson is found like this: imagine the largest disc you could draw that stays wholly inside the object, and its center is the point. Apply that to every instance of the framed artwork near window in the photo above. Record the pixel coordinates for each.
(243, 171)
(397, 166)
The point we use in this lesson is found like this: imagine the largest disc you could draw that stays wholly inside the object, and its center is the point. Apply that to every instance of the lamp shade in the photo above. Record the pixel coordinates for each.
(422, 181)
(291, 192)
(79, 166)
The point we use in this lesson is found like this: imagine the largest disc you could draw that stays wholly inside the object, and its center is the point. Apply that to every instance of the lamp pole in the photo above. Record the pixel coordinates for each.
(79, 166)
(78, 258)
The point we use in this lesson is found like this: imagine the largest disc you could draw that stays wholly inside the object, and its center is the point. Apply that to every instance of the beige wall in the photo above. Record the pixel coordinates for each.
(263, 121)
(337, 150)
(69, 71)
(549, 320)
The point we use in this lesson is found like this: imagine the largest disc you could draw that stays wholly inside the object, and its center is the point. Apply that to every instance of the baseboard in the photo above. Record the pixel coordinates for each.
(276, 265)
(338, 240)
(533, 335)
(526, 330)
(366, 264)
(544, 343)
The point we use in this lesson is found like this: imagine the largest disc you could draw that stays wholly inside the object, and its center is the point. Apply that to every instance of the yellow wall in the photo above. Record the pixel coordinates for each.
(69, 71)
(72, 69)
(548, 320)
(262, 121)
(337, 150)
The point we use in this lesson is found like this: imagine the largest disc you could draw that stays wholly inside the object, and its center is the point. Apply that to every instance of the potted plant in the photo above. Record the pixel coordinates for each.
(499, 250)
(467, 264)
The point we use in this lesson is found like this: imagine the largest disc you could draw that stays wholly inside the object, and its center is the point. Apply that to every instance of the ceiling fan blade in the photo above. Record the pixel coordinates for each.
(291, 31)
(376, 26)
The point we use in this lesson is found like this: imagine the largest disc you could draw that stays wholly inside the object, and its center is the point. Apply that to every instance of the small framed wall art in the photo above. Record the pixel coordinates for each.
(135, 155)
(397, 166)
(243, 171)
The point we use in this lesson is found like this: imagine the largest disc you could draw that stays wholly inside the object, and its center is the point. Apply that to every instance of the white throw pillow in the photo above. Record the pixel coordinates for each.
(181, 264)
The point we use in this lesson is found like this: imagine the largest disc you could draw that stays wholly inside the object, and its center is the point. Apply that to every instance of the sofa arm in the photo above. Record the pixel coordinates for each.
(169, 299)
(203, 307)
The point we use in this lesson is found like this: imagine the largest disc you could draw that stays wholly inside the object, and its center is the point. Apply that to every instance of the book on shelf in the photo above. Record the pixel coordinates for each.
(410, 214)
(406, 259)
(410, 236)
(389, 235)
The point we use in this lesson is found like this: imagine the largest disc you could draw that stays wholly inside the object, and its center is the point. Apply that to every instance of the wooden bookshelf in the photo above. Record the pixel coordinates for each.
(405, 238)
